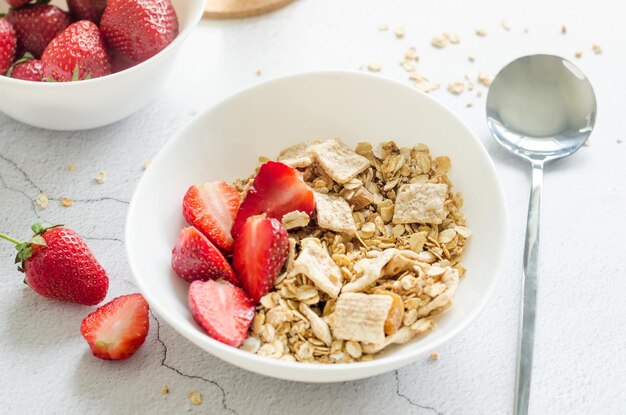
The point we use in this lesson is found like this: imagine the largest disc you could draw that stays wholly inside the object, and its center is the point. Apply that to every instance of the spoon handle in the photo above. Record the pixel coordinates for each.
(526, 336)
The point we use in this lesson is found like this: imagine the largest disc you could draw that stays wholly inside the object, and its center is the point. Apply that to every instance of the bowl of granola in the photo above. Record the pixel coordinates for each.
(320, 227)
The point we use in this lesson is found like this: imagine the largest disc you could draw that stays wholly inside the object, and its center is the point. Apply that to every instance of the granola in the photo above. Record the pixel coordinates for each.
(373, 265)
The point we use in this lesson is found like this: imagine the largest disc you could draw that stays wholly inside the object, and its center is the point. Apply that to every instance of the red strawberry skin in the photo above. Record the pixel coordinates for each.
(117, 329)
(31, 70)
(18, 3)
(36, 26)
(196, 258)
(136, 30)
(8, 45)
(80, 45)
(222, 310)
(260, 253)
(276, 190)
(87, 9)
(212, 207)
(65, 269)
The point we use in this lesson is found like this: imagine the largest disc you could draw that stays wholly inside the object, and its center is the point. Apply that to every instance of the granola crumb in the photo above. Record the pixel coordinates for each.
(70, 167)
(399, 32)
(479, 94)
(374, 67)
(195, 398)
(439, 42)
(564, 29)
(42, 201)
(597, 49)
(383, 27)
(471, 57)
(101, 177)
(456, 88)
(434, 356)
(525, 30)
(505, 25)
(469, 104)
(66, 202)
(485, 79)
(259, 72)
(481, 31)
(452, 38)
(146, 164)
(578, 54)
(165, 390)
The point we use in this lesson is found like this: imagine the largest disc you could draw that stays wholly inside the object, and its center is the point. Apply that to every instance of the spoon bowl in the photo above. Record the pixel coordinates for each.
(541, 107)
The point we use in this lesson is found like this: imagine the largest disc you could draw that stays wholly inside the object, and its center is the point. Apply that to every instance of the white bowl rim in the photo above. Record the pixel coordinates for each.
(195, 17)
(384, 363)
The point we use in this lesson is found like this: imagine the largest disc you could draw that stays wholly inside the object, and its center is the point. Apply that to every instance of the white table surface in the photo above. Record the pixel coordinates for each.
(580, 354)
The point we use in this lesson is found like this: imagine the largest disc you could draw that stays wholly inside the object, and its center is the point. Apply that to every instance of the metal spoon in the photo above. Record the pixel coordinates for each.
(541, 108)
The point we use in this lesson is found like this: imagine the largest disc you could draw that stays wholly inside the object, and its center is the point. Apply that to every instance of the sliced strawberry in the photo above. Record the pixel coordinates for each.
(222, 310)
(277, 190)
(196, 258)
(260, 252)
(212, 207)
(117, 329)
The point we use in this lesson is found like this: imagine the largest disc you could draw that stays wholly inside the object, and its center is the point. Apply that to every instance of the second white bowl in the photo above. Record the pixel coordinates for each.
(101, 101)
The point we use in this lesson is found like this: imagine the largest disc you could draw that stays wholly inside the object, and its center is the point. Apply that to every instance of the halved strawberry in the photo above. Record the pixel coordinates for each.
(212, 207)
(222, 310)
(196, 258)
(117, 329)
(259, 254)
(277, 190)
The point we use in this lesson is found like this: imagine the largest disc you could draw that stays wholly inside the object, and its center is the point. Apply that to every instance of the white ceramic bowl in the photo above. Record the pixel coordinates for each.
(225, 142)
(101, 101)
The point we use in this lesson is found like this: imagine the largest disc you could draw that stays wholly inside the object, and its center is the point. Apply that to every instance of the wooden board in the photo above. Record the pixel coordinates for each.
(233, 9)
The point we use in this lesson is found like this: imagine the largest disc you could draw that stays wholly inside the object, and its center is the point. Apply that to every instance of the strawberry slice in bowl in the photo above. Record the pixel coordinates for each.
(211, 208)
(276, 190)
(260, 253)
(222, 310)
(196, 258)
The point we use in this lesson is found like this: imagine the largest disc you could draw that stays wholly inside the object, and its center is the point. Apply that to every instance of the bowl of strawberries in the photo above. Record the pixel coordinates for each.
(81, 64)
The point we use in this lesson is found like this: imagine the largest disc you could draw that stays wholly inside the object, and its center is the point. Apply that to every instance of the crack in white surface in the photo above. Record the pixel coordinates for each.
(411, 401)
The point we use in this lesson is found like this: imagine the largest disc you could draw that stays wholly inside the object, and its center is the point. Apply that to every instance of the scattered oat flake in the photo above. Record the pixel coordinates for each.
(456, 88)
(195, 398)
(620, 140)
(485, 78)
(259, 72)
(525, 30)
(439, 42)
(70, 167)
(564, 29)
(399, 32)
(469, 104)
(66, 202)
(479, 94)
(42, 201)
(597, 49)
(434, 356)
(408, 66)
(383, 27)
(471, 57)
(410, 54)
(146, 164)
(452, 38)
(481, 31)
(101, 177)
(578, 54)
(165, 390)
(505, 25)
(374, 67)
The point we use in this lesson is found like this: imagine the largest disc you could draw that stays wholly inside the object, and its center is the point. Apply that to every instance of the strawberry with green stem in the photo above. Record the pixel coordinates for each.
(58, 264)
(26, 68)
(8, 45)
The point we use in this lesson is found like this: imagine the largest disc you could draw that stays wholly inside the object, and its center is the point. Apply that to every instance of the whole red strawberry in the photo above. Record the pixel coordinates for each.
(117, 329)
(58, 264)
(76, 54)
(26, 68)
(136, 30)
(36, 26)
(87, 9)
(8, 42)
(18, 3)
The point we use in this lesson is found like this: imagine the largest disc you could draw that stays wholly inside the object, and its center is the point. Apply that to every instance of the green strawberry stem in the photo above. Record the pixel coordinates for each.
(8, 238)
